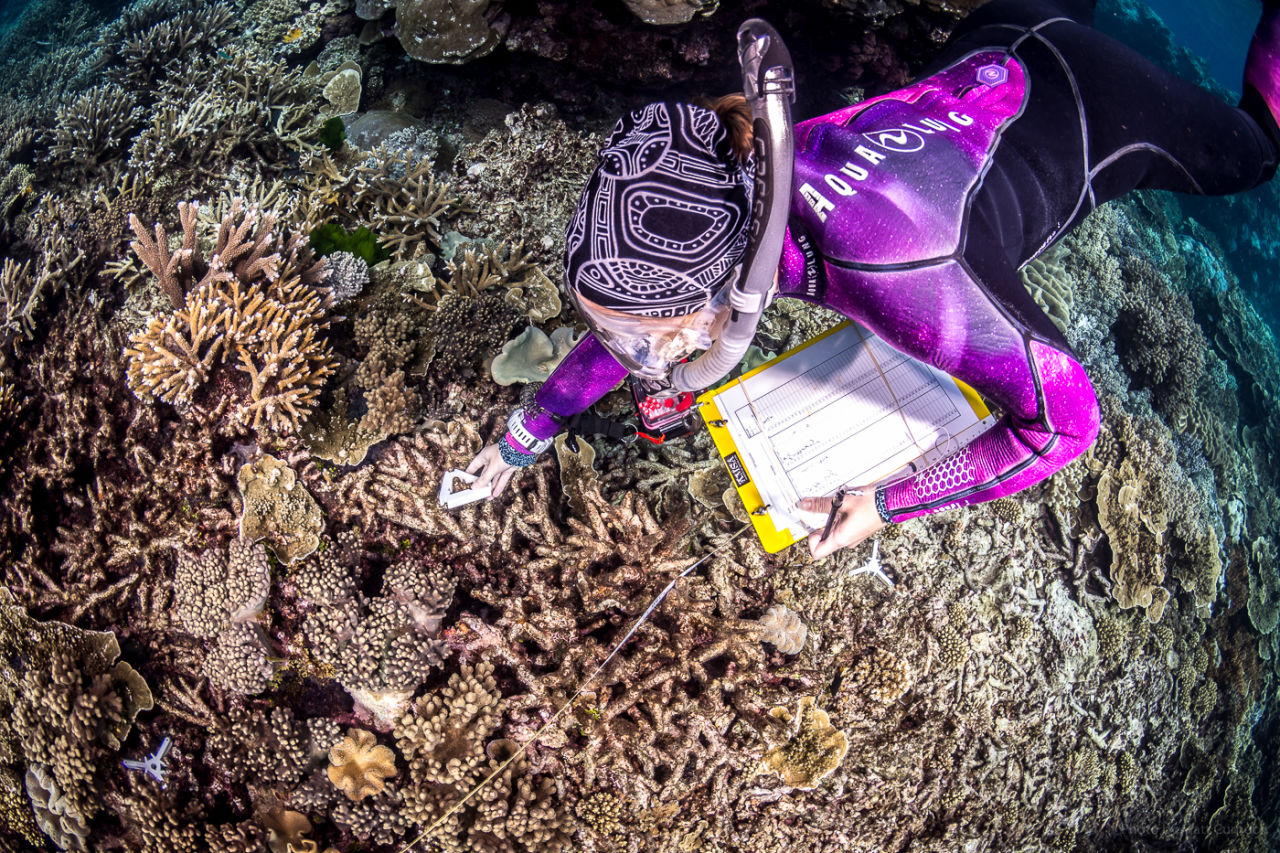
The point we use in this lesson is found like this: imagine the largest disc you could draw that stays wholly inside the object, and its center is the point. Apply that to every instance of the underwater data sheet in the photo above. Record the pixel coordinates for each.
(845, 409)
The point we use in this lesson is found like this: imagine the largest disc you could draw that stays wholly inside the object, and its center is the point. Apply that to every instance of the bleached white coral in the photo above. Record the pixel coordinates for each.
(784, 629)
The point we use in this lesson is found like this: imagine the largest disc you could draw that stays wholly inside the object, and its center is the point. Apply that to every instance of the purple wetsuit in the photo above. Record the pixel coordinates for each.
(913, 211)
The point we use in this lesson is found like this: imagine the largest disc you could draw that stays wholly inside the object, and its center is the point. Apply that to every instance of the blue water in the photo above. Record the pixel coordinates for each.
(1218, 31)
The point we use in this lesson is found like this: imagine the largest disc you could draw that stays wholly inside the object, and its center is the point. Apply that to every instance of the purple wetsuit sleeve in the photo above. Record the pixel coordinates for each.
(944, 317)
(587, 373)
(1016, 452)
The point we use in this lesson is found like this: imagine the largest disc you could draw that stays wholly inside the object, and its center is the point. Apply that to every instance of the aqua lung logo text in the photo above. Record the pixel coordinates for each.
(898, 140)
(739, 474)
(905, 139)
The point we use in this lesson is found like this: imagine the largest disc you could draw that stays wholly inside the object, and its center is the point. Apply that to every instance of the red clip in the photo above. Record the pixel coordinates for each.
(655, 439)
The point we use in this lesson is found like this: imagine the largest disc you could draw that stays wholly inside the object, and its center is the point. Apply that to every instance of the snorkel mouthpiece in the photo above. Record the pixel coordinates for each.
(768, 81)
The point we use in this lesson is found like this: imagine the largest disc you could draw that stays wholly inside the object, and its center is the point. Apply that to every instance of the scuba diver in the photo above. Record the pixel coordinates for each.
(910, 212)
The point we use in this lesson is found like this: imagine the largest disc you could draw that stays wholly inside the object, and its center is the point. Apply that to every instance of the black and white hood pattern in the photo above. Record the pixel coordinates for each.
(663, 220)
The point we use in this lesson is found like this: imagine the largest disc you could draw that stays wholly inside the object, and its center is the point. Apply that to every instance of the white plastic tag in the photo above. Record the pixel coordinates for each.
(449, 499)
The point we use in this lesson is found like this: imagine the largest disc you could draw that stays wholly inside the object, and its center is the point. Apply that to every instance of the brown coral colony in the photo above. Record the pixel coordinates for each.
(269, 270)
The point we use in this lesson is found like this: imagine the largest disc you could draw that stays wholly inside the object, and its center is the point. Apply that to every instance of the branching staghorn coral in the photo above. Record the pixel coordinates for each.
(94, 128)
(395, 194)
(652, 724)
(228, 107)
(389, 491)
(137, 46)
(480, 267)
(25, 286)
(250, 303)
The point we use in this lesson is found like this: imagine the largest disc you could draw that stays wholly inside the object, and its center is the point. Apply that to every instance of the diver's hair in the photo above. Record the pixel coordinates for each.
(735, 115)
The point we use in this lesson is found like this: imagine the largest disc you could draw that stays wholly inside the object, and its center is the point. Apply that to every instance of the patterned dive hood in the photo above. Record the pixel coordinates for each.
(663, 219)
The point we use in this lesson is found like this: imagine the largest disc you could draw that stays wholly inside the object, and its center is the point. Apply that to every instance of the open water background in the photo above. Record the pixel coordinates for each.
(1219, 31)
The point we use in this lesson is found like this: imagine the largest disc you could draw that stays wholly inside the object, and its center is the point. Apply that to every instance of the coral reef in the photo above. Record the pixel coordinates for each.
(783, 629)
(452, 31)
(381, 648)
(393, 192)
(67, 704)
(346, 680)
(251, 303)
(279, 509)
(814, 750)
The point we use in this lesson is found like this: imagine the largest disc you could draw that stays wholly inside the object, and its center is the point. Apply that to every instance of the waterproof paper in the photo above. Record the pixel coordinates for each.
(844, 409)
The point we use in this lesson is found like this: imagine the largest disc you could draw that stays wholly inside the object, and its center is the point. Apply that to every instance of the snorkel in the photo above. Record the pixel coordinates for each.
(769, 85)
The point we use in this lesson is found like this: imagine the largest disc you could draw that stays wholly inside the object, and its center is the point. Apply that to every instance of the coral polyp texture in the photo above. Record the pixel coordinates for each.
(234, 615)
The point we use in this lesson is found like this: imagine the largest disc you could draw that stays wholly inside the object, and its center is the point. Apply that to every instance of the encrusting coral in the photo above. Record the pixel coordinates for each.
(17, 817)
(814, 750)
(252, 303)
(359, 765)
(1264, 585)
(279, 509)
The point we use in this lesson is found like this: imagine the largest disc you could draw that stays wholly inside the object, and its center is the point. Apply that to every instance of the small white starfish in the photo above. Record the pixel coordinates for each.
(873, 566)
(153, 764)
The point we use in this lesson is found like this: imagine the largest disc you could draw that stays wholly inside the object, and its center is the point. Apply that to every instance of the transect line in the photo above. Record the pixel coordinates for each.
(574, 698)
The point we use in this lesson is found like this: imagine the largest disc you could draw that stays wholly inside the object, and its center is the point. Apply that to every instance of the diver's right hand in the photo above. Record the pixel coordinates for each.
(493, 470)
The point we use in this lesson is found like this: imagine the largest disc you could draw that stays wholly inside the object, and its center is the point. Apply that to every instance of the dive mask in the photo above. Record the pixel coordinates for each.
(649, 346)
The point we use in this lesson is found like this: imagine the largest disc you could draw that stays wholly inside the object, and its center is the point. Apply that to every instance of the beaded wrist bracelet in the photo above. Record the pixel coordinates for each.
(513, 457)
(881, 506)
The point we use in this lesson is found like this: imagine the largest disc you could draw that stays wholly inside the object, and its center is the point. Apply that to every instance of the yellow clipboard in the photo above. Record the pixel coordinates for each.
(773, 537)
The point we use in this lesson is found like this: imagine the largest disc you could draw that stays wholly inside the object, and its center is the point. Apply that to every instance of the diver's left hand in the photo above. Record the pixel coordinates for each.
(856, 520)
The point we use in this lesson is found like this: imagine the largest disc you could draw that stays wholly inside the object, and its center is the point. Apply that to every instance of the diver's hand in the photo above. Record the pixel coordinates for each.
(856, 520)
(493, 470)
